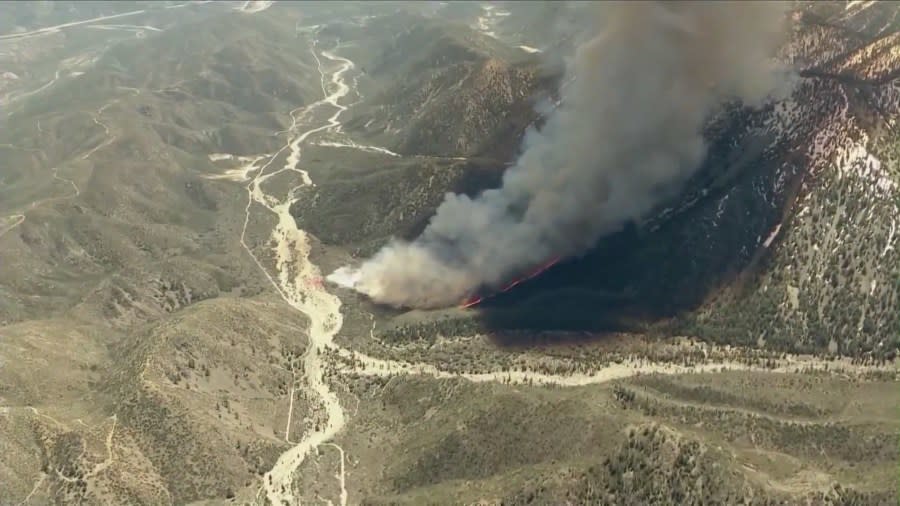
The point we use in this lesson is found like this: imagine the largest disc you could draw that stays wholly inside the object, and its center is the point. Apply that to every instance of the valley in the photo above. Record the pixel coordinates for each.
(166, 223)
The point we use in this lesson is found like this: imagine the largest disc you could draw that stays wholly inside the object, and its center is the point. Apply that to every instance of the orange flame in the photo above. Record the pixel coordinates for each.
(537, 271)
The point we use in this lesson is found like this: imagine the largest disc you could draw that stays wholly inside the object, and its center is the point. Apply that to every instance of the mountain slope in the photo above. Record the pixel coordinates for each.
(120, 251)
(462, 93)
(170, 202)
(832, 282)
(743, 243)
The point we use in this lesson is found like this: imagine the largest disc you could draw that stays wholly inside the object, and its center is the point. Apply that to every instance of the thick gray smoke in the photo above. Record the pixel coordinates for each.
(628, 134)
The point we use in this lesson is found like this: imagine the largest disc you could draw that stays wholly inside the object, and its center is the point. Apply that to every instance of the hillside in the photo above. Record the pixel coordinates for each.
(491, 88)
(175, 183)
(115, 238)
(831, 284)
(742, 247)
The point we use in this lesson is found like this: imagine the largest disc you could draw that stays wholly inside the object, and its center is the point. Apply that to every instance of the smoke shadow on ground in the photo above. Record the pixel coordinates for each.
(715, 232)
(710, 236)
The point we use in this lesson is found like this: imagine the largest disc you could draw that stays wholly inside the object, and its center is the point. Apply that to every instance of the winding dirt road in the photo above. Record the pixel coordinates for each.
(17, 219)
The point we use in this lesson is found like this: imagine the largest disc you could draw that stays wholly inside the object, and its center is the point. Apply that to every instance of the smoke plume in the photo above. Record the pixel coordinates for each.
(627, 134)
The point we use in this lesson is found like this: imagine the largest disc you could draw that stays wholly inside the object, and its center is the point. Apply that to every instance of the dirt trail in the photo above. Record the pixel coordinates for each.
(369, 366)
(37, 486)
(15, 220)
(18, 219)
(56, 28)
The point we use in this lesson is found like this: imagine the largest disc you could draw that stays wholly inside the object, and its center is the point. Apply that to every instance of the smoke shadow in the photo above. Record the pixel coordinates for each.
(670, 264)
(713, 235)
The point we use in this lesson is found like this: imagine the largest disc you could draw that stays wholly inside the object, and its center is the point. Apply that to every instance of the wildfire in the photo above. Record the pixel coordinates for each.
(537, 271)
(316, 282)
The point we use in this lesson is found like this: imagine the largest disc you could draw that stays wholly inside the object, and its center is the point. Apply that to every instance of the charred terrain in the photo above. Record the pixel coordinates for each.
(176, 178)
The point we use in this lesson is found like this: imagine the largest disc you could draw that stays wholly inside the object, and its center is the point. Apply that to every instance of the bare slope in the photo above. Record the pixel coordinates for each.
(118, 384)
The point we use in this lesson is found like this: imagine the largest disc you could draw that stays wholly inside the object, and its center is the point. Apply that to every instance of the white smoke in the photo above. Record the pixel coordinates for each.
(628, 134)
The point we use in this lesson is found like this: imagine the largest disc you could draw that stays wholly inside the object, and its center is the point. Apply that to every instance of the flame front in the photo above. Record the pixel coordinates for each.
(537, 271)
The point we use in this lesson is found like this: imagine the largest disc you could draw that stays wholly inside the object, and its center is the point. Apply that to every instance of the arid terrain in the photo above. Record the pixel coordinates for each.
(177, 178)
